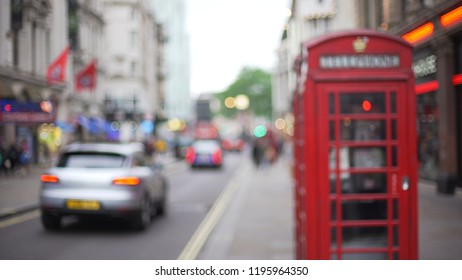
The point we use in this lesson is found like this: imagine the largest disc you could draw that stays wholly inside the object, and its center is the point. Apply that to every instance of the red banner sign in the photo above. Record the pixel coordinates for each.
(27, 117)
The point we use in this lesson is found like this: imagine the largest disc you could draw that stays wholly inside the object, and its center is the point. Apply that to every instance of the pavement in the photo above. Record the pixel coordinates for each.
(258, 220)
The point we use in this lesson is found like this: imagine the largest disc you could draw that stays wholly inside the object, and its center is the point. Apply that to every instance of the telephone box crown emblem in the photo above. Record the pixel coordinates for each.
(360, 44)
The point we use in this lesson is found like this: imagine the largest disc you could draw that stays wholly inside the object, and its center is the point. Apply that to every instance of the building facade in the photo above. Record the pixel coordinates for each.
(434, 27)
(172, 15)
(81, 109)
(31, 35)
(45, 116)
(309, 18)
(133, 90)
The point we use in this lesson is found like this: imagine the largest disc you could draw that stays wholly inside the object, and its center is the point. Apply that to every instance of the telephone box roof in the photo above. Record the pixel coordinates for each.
(351, 33)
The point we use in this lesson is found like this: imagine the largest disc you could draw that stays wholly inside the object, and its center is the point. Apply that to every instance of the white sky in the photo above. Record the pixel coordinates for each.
(227, 35)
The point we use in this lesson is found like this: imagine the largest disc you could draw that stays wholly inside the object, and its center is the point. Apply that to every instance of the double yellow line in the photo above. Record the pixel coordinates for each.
(197, 241)
(204, 230)
(20, 218)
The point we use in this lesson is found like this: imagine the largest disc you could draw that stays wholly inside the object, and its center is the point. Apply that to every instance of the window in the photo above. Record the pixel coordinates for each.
(362, 103)
(47, 46)
(427, 3)
(91, 160)
(325, 25)
(133, 38)
(134, 68)
(34, 47)
(428, 139)
(138, 160)
(133, 13)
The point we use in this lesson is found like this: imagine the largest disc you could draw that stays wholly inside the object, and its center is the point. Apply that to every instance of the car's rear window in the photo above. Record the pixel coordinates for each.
(205, 146)
(91, 160)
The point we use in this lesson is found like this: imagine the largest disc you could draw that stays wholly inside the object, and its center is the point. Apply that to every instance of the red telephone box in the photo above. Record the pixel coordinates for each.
(355, 148)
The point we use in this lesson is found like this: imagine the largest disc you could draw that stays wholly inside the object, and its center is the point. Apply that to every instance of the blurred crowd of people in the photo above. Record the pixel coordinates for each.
(266, 150)
(14, 159)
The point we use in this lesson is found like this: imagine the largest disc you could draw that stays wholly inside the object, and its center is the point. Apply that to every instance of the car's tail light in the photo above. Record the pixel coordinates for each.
(227, 145)
(126, 181)
(216, 157)
(48, 178)
(240, 144)
(190, 155)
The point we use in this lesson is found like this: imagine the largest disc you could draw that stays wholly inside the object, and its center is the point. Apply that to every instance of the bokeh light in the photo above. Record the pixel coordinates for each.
(242, 102)
(230, 102)
(280, 123)
(259, 131)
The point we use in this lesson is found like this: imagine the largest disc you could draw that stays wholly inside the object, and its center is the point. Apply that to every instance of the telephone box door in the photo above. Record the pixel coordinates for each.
(366, 206)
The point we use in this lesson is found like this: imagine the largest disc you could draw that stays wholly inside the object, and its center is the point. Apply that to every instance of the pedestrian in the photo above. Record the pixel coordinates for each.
(46, 155)
(12, 159)
(24, 157)
(3, 156)
(271, 154)
(257, 152)
(149, 149)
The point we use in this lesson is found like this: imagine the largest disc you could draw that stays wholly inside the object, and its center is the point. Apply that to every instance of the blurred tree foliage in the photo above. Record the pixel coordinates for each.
(255, 83)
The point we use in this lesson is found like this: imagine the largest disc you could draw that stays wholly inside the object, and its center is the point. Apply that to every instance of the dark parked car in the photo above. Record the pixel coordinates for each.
(181, 144)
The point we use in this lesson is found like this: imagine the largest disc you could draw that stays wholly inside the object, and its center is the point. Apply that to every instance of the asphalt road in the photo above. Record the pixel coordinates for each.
(192, 194)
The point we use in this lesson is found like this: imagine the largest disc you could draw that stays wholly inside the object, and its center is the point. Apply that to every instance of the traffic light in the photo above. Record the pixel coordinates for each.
(259, 131)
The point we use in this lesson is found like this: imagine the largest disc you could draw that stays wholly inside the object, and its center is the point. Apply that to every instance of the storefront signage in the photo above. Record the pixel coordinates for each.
(425, 66)
(26, 117)
(361, 61)
(30, 112)
(12, 105)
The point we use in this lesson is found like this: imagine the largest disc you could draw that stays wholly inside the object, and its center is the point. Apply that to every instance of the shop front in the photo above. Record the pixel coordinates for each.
(22, 122)
(457, 79)
(425, 68)
(437, 65)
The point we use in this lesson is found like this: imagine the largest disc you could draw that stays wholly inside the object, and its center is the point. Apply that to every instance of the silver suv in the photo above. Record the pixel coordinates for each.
(112, 179)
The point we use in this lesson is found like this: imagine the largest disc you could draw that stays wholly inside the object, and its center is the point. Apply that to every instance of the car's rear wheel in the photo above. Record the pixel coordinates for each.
(50, 221)
(143, 216)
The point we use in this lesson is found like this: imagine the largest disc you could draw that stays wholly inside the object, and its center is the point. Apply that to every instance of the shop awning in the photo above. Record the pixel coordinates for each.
(98, 126)
(65, 126)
